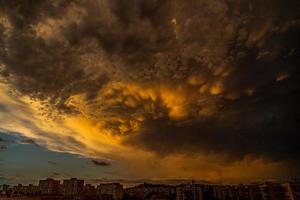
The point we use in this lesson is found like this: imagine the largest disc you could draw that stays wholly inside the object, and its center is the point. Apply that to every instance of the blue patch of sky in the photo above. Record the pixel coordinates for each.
(28, 162)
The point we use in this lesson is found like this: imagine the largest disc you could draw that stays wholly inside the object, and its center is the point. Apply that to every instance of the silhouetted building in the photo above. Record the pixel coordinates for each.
(5, 190)
(151, 191)
(272, 191)
(31, 190)
(226, 192)
(115, 190)
(25, 190)
(73, 187)
(292, 190)
(49, 186)
(189, 192)
(4, 187)
(89, 190)
(254, 192)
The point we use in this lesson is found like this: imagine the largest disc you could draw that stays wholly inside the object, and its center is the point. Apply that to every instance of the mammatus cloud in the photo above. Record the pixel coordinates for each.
(213, 79)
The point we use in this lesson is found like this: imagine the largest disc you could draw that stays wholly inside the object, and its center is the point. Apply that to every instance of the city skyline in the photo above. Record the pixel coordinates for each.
(77, 189)
(149, 90)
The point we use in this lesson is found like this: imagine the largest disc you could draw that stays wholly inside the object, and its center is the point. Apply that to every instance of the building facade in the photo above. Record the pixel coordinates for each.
(189, 192)
(49, 187)
(115, 190)
(73, 187)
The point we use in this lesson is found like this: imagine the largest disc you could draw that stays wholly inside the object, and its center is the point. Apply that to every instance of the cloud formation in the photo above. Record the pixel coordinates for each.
(101, 163)
(27, 141)
(208, 77)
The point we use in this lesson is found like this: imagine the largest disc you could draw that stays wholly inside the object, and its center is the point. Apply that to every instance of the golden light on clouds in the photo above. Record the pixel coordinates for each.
(91, 138)
(216, 89)
(195, 80)
(163, 89)
(151, 97)
(282, 76)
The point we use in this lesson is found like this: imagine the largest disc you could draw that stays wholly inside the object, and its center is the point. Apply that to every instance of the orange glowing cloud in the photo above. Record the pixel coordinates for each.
(282, 76)
(216, 89)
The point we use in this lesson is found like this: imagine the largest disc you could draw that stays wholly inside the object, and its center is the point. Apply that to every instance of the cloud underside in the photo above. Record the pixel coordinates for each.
(100, 163)
(208, 77)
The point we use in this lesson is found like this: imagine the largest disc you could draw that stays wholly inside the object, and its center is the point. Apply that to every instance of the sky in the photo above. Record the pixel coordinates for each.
(152, 90)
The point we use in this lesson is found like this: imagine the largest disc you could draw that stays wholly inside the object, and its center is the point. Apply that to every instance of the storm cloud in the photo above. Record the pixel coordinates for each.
(169, 77)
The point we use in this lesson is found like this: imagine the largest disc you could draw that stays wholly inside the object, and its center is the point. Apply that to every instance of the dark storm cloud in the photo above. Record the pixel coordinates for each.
(39, 68)
(100, 163)
(265, 124)
(244, 54)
